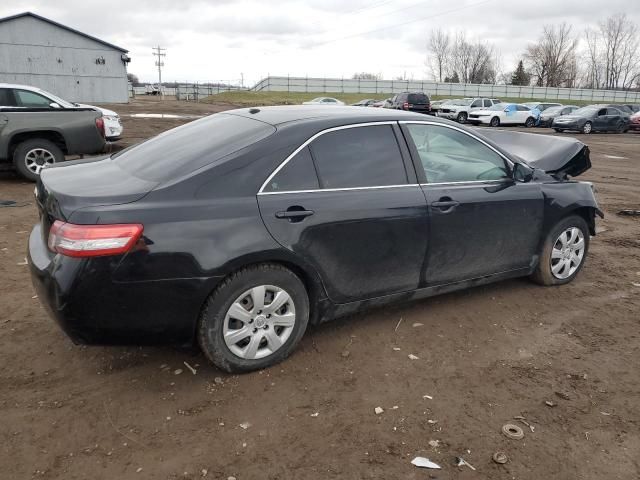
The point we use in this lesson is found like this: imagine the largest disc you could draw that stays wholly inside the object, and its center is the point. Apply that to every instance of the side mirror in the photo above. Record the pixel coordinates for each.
(54, 105)
(522, 173)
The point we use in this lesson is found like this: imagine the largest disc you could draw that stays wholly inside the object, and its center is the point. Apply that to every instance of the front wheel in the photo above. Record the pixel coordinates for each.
(31, 156)
(495, 122)
(530, 122)
(563, 253)
(254, 319)
(587, 128)
(559, 130)
(462, 117)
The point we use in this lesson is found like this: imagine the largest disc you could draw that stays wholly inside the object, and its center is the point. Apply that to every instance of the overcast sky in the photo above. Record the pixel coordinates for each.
(220, 39)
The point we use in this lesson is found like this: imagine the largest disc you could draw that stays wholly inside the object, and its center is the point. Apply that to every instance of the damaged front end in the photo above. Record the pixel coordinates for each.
(560, 157)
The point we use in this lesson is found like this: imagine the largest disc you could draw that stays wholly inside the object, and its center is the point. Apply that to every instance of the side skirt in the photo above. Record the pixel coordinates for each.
(326, 310)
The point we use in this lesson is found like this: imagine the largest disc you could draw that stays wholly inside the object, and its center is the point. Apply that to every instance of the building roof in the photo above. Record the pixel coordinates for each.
(34, 15)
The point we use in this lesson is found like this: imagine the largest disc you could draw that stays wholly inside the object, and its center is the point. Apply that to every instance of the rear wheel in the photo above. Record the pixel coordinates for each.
(254, 319)
(563, 253)
(530, 122)
(495, 122)
(559, 130)
(462, 117)
(587, 128)
(31, 156)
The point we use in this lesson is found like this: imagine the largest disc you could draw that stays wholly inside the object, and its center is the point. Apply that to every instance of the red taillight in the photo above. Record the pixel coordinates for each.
(92, 240)
(100, 126)
(405, 105)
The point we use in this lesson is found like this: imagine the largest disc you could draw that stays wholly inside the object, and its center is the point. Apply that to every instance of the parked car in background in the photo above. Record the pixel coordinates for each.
(459, 110)
(238, 230)
(504, 114)
(594, 118)
(625, 109)
(633, 107)
(33, 138)
(324, 101)
(542, 106)
(24, 96)
(547, 116)
(386, 103)
(412, 102)
(364, 103)
(634, 121)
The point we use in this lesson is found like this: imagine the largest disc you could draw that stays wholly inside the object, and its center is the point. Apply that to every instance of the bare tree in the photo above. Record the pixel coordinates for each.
(439, 48)
(473, 62)
(620, 51)
(366, 76)
(594, 71)
(552, 59)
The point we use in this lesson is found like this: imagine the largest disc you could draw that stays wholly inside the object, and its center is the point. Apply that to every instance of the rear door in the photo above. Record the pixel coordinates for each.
(348, 205)
(481, 221)
(601, 120)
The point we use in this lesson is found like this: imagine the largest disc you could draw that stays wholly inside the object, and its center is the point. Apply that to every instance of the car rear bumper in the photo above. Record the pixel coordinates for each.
(81, 295)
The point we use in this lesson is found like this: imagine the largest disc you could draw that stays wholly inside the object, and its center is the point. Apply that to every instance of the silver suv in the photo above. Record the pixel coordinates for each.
(458, 110)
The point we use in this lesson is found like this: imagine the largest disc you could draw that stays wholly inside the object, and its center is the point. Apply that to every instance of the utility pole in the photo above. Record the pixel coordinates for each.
(157, 51)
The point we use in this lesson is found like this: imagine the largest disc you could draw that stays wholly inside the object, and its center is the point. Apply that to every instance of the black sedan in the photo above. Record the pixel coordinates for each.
(239, 229)
(594, 118)
(551, 113)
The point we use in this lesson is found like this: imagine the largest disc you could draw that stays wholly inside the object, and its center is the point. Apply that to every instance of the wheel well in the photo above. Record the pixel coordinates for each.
(589, 215)
(52, 136)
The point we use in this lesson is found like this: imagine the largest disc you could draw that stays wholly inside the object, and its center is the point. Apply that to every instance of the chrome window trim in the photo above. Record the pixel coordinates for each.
(297, 150)
(471, 182)
(453, 127)
(345, 189)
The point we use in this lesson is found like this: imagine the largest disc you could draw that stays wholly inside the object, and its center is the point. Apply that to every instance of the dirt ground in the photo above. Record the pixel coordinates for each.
(486, 355)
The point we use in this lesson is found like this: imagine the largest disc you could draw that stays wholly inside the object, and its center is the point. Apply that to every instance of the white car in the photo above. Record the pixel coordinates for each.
(460, 109)
(504, 114)
(24, 96)
(324, 101)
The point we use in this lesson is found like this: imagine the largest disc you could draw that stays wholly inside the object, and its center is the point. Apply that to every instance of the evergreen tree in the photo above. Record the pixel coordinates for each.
(520, 76)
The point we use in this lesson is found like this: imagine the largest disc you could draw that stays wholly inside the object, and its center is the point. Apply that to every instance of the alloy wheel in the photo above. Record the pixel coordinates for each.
(38, 158)
(567, 253)
(259, 322)
(587, 127)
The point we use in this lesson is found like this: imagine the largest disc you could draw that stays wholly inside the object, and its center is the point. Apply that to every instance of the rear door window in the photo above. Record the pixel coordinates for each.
(358, 157)
(185, 149)
(297, 174)
(6, 98)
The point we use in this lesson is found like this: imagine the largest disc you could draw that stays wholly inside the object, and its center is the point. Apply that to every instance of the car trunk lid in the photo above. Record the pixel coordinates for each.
(559, 156)
(77, 184)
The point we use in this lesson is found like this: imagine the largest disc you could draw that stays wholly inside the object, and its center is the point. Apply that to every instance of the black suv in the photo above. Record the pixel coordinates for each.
(412, 102)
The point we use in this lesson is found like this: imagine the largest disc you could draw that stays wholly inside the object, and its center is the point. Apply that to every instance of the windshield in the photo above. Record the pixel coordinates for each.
(460, 102)
(58, 100)
(552, 110)
(183, 150)
(585, 112)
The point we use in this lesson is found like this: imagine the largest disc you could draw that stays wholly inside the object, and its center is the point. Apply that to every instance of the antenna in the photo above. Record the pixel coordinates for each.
(158, 52)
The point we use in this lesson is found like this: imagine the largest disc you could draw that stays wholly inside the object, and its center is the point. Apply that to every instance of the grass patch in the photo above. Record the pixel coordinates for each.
(250, 99)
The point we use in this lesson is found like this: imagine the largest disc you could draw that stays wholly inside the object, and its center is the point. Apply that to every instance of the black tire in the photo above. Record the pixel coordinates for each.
(462, 117)
(530, 122)
(494, 122)
(20, 155)
(210, 327)
(559, 130)
(543, 274)
(587, 129)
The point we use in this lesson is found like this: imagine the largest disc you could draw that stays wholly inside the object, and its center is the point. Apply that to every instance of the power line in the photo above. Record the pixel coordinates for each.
(368, 7)
(396, 25)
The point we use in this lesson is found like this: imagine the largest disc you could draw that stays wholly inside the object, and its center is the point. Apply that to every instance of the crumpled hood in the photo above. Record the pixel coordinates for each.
(559, 156)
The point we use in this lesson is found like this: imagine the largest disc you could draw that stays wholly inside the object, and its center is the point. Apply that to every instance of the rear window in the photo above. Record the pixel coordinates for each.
(418, 98)
(187, 148)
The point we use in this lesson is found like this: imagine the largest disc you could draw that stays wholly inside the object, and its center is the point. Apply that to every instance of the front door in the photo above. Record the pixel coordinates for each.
(481, 221)
(361, 221)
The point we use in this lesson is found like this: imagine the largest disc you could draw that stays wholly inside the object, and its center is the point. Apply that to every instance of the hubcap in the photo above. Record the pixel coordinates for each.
(567, 253)
(259, 322)
(587, 127)
(36, 159)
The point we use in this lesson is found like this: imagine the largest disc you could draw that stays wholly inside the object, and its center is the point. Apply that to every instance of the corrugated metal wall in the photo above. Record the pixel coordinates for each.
(33, 52)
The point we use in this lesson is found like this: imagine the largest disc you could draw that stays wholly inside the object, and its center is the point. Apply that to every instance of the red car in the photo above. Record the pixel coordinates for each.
(634, 121)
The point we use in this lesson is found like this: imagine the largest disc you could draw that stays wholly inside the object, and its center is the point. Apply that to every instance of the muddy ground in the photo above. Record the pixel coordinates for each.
(486, 355)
